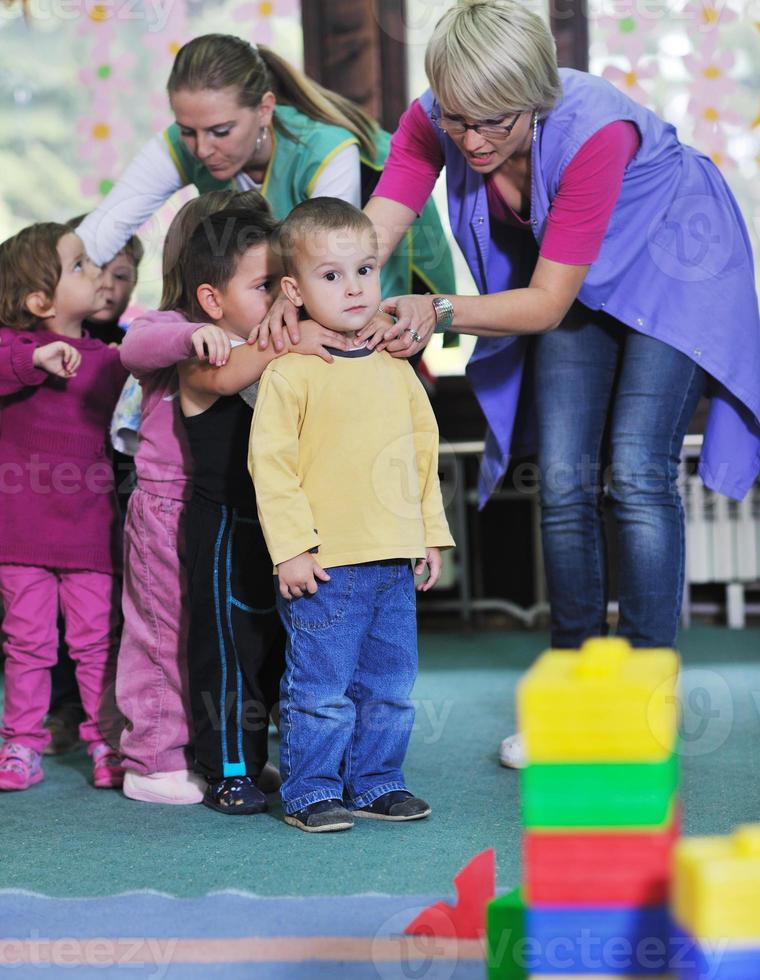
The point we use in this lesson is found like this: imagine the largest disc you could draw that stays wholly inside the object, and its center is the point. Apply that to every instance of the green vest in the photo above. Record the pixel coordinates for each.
(421, 263)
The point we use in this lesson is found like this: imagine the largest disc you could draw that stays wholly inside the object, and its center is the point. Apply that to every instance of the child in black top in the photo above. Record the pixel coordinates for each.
(236, 642)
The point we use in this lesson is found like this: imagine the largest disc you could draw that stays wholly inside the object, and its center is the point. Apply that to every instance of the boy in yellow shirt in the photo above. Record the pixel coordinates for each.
(344, 458)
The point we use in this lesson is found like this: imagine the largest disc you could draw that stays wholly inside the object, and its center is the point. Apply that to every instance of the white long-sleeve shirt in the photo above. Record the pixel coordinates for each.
(151, 179)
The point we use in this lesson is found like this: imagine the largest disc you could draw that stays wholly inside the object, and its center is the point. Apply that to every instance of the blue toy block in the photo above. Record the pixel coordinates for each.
(633, 941)
(713, 959)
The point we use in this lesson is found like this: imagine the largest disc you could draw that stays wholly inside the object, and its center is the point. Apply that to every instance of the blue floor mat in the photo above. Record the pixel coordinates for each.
(227, 934)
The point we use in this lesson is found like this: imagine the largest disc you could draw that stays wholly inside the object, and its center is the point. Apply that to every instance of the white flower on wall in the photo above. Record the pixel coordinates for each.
(695, 65)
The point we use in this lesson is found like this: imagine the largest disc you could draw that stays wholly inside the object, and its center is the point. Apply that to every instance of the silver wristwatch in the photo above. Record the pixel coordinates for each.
(444, 312)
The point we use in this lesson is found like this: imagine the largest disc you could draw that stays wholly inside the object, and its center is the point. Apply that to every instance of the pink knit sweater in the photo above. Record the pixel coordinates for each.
(152, 347)
(57, 503)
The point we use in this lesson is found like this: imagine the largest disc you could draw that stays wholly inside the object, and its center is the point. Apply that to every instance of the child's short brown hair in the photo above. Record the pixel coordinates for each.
(212, 253)
(29, 263)
(184, 223)
(316, 214)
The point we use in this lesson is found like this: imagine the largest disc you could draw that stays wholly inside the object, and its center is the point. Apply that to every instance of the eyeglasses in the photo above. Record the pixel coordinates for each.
(456, 127)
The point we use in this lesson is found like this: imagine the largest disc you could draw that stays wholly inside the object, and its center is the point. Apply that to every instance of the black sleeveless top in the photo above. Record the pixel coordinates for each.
(218, 441)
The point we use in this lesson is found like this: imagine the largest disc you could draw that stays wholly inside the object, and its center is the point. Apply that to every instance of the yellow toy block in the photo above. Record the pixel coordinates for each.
(604, 703)
(716, 886)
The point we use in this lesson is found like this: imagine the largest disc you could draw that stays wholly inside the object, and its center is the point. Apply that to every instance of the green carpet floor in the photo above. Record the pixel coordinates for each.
(64, 838)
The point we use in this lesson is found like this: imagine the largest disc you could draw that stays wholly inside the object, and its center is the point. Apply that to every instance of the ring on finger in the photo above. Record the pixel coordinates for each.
(415, 336)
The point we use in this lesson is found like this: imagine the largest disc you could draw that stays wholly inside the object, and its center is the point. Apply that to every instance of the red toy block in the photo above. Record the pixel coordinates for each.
(475, 886)
(603, 869)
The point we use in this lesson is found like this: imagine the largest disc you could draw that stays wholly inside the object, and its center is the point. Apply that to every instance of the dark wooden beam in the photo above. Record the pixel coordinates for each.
(311, 17)
(357, 48)
(569, 24)
(394, 76)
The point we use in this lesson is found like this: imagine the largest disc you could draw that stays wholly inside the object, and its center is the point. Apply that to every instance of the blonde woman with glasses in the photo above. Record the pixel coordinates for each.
(616, 286)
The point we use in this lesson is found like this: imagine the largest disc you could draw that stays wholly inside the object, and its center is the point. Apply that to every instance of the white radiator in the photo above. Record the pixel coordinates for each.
(722, 545)
(722, 536)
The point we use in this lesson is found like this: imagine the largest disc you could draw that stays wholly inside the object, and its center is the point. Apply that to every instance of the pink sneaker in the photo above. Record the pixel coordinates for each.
(107, 772)
(20, 766)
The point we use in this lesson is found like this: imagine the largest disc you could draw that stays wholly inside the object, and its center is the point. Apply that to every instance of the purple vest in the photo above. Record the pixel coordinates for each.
(675, 264)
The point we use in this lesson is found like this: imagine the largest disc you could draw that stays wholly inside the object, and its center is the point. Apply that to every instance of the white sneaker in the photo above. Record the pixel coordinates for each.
(178, 788)
(512, 752)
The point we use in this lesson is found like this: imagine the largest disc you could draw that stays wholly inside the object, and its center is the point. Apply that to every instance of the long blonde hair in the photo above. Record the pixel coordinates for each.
(217, 61)
(184, 223)
(488, 58)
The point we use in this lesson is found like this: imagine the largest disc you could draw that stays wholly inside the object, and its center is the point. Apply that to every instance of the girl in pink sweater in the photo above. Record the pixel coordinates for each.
(59, 523)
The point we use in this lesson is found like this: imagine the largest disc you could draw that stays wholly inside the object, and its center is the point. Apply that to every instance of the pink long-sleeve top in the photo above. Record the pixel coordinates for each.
(58, 507)
(580, 213)
(152, 347)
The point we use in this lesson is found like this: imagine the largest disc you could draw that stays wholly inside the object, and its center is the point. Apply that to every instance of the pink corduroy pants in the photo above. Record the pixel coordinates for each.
(151, 678)
(32, 597)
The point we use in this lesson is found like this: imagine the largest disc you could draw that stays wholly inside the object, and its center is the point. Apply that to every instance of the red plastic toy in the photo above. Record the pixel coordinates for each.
(475, 886)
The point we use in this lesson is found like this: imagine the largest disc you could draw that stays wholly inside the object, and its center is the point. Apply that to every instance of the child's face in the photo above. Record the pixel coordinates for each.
(119, 280)
(247, 297)
(337, 278)
(79, 293)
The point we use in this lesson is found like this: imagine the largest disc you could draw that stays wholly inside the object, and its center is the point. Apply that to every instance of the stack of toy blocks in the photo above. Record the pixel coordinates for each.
(601, 815)
(716, 906)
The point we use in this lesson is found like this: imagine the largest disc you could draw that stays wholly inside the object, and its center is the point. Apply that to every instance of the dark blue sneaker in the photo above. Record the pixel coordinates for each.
(396, 805)
(321, 817)
(236, 796)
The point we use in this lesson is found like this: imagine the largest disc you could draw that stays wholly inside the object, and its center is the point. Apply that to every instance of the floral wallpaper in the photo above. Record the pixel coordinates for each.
(696, 63)
(83, 87)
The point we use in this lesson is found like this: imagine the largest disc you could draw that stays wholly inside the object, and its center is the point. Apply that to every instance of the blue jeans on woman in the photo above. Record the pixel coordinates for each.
(613, 406)
(351, 662)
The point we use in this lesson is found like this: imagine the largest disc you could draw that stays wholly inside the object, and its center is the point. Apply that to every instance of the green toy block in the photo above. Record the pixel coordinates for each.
(575, 795)
(505, 934)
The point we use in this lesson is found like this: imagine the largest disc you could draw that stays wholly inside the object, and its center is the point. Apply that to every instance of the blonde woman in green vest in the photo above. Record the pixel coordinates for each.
(246, 119)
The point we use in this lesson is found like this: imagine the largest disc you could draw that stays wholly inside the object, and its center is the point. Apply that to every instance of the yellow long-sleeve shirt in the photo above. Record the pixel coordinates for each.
(344, 456)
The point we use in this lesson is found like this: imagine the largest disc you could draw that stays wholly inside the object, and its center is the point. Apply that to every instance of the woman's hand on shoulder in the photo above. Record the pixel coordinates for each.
(409, 333)
(281, 318)
(211, 344)
(315, 339)
(59, 359)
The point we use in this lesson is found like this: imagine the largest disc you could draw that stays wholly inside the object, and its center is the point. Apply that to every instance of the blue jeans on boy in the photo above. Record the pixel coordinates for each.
(613, 406)
(351, 662)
